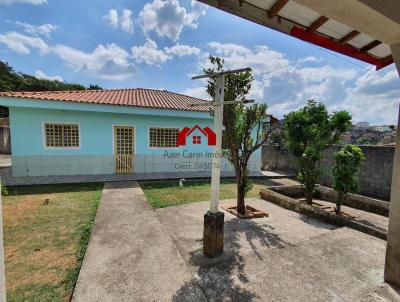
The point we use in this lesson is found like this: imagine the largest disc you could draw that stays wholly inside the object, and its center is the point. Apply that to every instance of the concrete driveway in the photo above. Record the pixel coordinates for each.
(130, 256)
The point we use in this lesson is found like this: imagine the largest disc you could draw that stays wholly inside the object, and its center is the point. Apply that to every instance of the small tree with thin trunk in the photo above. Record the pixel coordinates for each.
(244, 125)
(308, 132)
(348, 161)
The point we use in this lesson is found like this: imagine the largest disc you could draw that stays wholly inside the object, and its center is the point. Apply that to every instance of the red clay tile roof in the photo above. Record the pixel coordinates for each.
(138, 97)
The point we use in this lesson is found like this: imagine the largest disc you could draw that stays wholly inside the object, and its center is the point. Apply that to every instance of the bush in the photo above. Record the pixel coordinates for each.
(4, 190)
(348, 161)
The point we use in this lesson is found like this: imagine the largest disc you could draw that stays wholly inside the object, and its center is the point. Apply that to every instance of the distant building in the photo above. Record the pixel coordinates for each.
(382, 128)
(361, 125)
(363, 134)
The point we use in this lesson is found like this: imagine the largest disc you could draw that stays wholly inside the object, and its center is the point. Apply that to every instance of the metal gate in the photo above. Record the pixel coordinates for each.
(123, 144)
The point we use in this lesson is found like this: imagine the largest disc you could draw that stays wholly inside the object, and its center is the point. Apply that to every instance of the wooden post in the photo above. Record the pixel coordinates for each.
(216, 160)
(213, 233)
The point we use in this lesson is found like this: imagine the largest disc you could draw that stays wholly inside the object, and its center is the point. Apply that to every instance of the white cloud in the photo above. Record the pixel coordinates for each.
(378, 83)
(182, 50)
(167, 18)
(310, 59)
(112, 18)
(126, 21)
(23, 44)
(123, 21)
(375, 97)
(149, 53)
(197, 92)
(33, 2)
(109, 62)
(228, 48)
(285, 85)
(106, 61)
(42, 75)
(322, 73)
(280, 83)
(44, 29)
(198, 9)
(262, 59)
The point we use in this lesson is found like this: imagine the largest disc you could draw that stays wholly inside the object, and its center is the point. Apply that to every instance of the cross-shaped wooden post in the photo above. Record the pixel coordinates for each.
(213, 234)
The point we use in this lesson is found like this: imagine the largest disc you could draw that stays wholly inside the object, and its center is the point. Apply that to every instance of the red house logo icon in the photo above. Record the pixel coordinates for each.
(206, 132)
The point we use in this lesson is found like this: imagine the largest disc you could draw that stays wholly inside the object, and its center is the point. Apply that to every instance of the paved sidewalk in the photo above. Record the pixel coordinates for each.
(130, 256)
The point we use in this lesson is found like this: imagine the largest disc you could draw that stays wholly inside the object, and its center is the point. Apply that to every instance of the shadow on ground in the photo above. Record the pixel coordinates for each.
(316, 223)
(223, 278)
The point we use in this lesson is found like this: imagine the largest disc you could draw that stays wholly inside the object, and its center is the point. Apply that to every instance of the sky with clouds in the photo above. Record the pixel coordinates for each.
(162, 43)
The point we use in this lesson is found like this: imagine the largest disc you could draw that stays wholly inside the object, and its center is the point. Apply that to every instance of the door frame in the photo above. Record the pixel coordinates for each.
(113, 126)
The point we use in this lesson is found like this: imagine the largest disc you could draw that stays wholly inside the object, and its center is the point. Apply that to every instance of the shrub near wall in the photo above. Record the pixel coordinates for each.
(375, 174)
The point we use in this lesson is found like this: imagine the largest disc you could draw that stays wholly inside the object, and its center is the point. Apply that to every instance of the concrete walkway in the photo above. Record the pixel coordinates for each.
(130, 256)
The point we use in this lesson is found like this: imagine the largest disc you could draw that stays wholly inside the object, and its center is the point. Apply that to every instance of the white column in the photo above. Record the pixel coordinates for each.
(2, 269)
(216, 160)
(392, 263)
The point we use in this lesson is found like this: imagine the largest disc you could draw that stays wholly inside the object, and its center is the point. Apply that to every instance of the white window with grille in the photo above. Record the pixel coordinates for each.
(163, 137)
(60, 135)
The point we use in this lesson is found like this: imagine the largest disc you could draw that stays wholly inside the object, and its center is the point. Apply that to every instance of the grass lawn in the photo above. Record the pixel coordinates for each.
(165, 194)
(45, 241)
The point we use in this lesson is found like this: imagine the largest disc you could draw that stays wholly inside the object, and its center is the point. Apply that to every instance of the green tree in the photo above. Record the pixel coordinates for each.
(348, 161)
(94, 87)
(244, 125)
(8, 78)
(308, 132)
(13, 81)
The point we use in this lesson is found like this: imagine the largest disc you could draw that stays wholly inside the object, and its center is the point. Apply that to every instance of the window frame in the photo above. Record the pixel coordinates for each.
(161, 127)
(61, 148)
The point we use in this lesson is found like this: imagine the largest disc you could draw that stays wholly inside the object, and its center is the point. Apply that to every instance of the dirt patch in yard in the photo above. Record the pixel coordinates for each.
(27, 204)
(46, 271)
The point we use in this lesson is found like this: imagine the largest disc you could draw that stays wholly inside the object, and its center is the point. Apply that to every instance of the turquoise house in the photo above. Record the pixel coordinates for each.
(108, 132)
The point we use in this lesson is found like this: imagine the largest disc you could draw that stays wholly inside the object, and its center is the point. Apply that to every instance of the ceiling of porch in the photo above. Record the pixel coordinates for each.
(362, 29)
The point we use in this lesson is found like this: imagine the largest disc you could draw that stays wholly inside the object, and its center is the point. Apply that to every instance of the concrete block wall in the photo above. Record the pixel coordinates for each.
(375, 173)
